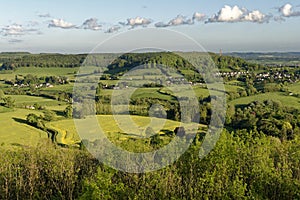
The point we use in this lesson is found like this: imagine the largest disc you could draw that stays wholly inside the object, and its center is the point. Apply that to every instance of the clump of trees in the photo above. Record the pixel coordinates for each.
(268, 117)
(43, 60)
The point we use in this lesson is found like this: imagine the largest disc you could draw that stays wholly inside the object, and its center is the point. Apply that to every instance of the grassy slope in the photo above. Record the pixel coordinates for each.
(277, 96)
(127, 138)
(21, 100)
(295, 88)
(36, 71)
(109, 126)
(13, 130)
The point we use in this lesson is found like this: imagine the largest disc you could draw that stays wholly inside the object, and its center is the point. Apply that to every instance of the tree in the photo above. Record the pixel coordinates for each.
(36, 121)
(68, 112)
(9, 102)
(49, 115)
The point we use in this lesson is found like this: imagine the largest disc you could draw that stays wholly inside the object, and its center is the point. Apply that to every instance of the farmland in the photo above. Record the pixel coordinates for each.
(283, 98)
(41, 116)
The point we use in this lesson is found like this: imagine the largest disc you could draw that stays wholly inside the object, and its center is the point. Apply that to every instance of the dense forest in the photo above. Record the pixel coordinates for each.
(239, 167)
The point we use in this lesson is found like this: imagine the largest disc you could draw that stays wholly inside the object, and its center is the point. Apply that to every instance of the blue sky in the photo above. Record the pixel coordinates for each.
(78, 25)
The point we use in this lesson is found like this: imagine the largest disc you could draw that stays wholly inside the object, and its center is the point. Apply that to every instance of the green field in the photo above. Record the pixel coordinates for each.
(60, 88)
(286, 100)
(15, 131)
(109, 126)
(36, 71)
(295, 88)
(126, 136)
(23, 100)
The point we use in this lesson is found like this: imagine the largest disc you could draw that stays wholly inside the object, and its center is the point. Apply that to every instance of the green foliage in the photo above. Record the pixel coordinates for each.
(43, 60)
(36, 121)
(68, 112)
(268, 117)
(49, 115)
(8, 102)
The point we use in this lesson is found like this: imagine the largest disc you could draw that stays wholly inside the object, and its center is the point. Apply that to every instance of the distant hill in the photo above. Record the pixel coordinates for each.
(177, 60)
(270, 58)
(123, 62)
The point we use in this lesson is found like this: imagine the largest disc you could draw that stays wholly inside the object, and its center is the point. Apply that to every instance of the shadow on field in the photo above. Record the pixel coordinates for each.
(19, 120)
(59, 113)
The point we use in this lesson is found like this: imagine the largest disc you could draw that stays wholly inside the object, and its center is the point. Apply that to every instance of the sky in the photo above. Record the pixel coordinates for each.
(79, 26)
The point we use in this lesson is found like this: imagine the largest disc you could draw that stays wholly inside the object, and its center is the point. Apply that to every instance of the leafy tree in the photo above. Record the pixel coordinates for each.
(9, 102)
(36, 121)
(49, 115)
(68, 112)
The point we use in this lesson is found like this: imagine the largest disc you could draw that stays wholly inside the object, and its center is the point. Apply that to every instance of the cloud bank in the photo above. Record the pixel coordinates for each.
(227, 14)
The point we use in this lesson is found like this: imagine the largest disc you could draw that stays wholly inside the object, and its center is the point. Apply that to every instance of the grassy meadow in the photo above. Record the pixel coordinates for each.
(14, 131)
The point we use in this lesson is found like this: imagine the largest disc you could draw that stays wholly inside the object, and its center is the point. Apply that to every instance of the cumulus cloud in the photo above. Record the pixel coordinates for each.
(256, 16)
(17, 30)
(227, 14)
(113, 29)
(91, 24)
(198, 16)
(287, 11)
(236, 14)
(60, 23)
(178, 20)
(138, 21)
(14, 29)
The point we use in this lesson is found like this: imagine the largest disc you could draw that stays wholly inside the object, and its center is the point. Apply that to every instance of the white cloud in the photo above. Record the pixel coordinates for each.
(60, 23)
(14, 29)
(138, 21)
(236, 14)
(227, 14)
(255, 16)
(91, 24)
(179, 20)
(17, 30)
(113, 29)
(287, 11)
(198, 16)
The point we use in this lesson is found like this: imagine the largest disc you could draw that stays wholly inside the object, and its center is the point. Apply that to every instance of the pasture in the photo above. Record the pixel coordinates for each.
(121, 132)
(14, 131)
(285, 100)
(37, 71)
(295, 88)
(25, 100)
